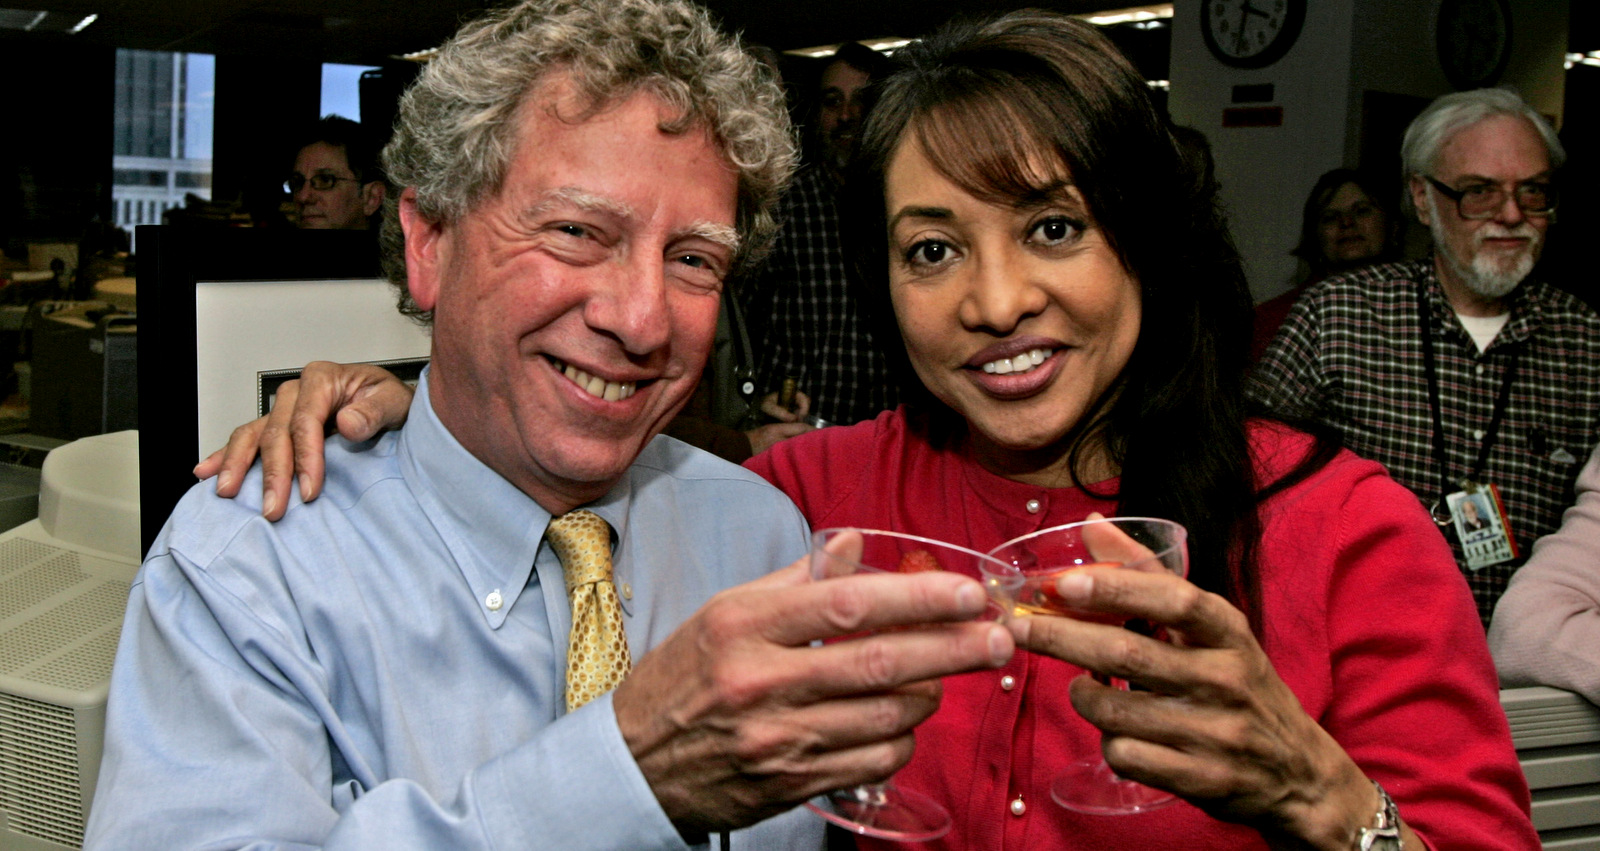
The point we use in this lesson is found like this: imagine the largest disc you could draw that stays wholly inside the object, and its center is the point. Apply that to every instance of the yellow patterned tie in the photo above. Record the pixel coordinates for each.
(597, 649)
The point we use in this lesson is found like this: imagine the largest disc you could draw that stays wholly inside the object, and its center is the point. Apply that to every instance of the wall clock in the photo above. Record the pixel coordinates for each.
(1251, 33)
(1474, 40)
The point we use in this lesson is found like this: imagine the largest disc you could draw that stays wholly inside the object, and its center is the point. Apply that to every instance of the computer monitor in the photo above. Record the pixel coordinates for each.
(228, 314)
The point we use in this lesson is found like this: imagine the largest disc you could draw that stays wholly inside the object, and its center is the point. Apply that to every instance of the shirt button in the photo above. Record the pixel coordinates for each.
(1018, 807)
(1033, 506)
(1477, 434)
(627, 591)
(494, 601)
(1479, 369)
(1008, 682)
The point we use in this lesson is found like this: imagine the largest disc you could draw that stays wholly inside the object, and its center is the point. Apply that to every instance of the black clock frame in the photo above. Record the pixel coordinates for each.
(1443, 49)
(1293, 23)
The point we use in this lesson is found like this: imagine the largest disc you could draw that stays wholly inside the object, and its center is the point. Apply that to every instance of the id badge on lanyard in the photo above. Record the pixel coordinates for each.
(1475, 510)
(1481, 525)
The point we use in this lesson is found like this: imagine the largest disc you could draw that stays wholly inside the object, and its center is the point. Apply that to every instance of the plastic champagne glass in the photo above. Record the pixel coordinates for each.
(1039, 560)
(885, 810)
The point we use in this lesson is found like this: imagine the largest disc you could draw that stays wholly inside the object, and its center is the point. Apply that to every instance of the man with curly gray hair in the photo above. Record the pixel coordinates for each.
(523, 620)
(455, 131)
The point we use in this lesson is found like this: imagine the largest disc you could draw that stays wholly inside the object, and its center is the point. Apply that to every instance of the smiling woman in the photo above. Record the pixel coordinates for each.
(1072, 228)
(994, 301)
(1074, 323)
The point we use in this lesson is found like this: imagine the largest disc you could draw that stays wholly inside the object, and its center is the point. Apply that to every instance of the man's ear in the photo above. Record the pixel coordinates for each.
(1419, 199)
(427, 250)
(372, 197)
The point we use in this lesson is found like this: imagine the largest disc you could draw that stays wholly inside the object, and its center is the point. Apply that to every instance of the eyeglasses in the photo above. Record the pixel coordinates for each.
(320, 182)
(1333, 216)
(1484, 200)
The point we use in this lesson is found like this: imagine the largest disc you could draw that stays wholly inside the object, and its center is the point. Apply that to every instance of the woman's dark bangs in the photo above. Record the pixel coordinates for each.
(981, 136)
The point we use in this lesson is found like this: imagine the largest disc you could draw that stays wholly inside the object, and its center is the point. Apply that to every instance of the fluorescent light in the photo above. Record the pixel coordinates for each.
(1590, 58)
(884, 44)
(1151, 14)
(33, 20)
(1144, 17)
(1164, 85)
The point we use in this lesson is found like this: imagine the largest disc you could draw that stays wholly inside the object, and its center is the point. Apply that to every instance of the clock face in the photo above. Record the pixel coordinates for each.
(1251, 33)
(1474, 41)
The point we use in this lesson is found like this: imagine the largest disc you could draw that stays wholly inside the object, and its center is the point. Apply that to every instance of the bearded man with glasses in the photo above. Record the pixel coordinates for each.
(1467, 378)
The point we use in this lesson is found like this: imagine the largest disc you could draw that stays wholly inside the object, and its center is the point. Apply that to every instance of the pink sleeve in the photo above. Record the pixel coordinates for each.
(1546, 628)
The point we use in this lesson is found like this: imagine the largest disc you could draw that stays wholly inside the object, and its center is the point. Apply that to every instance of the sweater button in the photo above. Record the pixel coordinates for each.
(1008, 682)
(1033, 506)
(1018, 807)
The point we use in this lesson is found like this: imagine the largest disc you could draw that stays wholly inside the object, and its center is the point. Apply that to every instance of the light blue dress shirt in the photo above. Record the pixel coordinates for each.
(384, 667)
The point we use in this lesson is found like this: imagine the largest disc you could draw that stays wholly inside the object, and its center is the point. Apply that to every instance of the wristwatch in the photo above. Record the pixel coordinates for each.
(1384, 835)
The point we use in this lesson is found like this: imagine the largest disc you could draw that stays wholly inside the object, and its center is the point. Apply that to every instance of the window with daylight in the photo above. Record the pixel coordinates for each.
(162, 150)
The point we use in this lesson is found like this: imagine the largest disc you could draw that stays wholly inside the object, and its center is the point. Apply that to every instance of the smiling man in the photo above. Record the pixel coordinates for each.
(1460, 373)
(524, 619)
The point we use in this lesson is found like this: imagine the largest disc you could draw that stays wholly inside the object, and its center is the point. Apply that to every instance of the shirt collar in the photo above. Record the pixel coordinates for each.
(493, 528)
(1522, 303)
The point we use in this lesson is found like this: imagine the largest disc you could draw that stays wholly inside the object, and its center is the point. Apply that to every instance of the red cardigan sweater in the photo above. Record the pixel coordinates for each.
(1368, 620)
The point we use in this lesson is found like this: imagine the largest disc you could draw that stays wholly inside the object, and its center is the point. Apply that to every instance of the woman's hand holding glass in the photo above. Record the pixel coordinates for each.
(1040, 562)
(1209, 720)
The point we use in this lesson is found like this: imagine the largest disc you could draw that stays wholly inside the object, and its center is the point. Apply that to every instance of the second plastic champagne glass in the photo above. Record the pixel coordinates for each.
(1039, 560)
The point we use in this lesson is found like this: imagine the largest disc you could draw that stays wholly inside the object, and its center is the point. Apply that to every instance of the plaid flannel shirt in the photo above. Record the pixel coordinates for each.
(806, 320)
(1350, 357)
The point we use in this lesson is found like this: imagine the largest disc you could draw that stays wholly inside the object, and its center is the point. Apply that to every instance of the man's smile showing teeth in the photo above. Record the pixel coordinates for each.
(594, 385)
(1024, 362)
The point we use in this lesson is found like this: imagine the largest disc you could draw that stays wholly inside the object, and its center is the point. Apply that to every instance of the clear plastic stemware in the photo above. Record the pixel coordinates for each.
(885, 810)
(1038, 561)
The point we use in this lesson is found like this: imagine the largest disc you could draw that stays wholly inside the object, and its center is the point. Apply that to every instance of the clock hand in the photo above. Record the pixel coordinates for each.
(1244, 19)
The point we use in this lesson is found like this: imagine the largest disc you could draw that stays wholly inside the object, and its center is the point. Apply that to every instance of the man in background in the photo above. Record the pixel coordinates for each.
(805, 321)
(335, 182)
(1461, 373)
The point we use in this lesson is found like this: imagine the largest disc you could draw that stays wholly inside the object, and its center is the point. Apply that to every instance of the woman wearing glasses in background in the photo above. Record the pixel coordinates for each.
(1348, 222)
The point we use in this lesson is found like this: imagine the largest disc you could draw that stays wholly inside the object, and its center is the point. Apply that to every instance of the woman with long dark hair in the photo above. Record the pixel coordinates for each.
(1059, 288)
(1072, 322)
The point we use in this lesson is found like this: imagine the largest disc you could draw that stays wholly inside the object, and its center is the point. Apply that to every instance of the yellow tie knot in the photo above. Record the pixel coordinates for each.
(597, 647)
(583, 543)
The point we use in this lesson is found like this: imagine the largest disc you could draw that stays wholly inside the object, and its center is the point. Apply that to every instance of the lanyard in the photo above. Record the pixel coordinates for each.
(1440, 514)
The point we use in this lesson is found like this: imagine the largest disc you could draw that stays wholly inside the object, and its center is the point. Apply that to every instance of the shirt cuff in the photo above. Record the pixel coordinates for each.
(575, 785)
